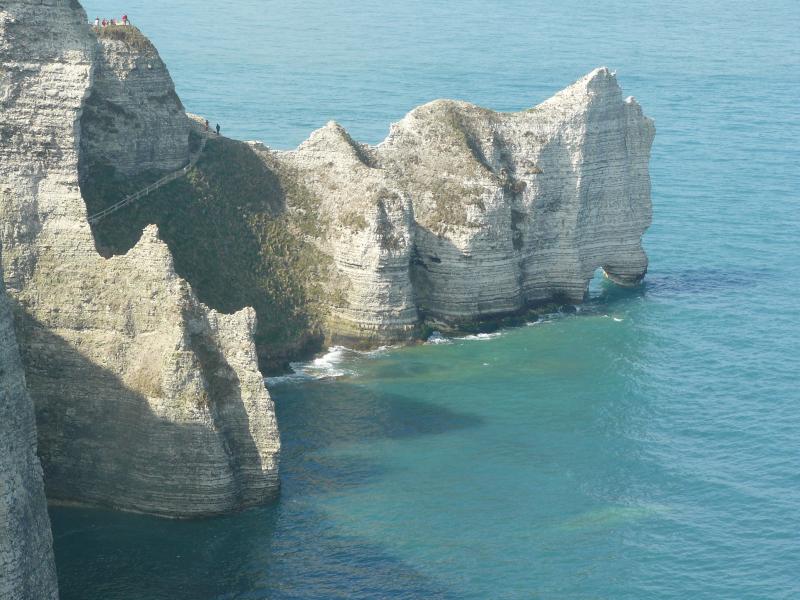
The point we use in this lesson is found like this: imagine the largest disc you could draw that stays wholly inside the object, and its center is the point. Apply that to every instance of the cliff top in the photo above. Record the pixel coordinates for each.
(128, 34)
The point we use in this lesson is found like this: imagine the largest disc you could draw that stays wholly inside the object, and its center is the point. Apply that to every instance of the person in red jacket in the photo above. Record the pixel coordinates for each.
(124, 19)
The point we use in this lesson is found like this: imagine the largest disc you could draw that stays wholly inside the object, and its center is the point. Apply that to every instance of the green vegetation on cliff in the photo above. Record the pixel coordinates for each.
(128, 34)
(232, 237)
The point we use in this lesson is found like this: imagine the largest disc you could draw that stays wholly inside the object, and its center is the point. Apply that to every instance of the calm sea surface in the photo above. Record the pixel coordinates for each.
(646, 447)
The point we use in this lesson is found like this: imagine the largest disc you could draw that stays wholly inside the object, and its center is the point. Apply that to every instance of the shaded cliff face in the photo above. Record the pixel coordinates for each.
(145, 398)
(27, 569)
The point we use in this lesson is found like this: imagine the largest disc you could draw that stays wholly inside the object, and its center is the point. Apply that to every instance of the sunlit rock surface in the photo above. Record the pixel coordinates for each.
(464, 214)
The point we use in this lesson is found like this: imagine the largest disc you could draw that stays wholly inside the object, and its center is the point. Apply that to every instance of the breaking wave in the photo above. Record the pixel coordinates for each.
(328, 366)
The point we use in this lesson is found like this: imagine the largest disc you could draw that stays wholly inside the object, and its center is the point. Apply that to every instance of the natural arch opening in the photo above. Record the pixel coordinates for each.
(598, 284)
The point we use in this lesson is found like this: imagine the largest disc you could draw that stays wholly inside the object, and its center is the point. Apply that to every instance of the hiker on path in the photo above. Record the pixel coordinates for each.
(217, 128)
(105, 22)
(206, 129)
(96, 22)
(124, 19)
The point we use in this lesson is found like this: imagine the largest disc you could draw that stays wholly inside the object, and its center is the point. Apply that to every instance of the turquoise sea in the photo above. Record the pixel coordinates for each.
(647, 446)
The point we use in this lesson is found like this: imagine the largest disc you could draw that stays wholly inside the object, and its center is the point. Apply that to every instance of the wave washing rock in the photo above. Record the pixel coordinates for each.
(27, 569)
(464, 214)
(146, 399)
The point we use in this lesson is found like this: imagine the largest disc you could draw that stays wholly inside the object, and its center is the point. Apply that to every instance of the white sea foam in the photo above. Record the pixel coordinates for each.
(288, 378)
(483, 336)
(327, 366)
(437, 338)
(547, 318)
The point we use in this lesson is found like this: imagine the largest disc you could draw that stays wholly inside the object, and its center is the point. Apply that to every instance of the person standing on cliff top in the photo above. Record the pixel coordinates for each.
(217, 128)
(104, 23)
(124, 19)
(96, 22)
(206, 126)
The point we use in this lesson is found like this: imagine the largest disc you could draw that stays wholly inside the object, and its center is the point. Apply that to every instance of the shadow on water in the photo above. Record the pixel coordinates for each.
(285, 550)
(704, 281)
(289, 549)
(696, 282)
(326, 413)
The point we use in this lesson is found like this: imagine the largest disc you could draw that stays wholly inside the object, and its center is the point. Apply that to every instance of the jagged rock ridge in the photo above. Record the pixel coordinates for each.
(461, 216)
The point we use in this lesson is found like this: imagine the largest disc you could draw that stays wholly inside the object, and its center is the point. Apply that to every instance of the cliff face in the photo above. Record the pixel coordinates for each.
(26, 554)
(145, 398)
(133, 120)
(464, 214)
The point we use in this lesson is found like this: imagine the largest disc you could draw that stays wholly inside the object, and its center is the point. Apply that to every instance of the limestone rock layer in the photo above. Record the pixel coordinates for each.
(464, 214)
(145, 398)
(27, 569)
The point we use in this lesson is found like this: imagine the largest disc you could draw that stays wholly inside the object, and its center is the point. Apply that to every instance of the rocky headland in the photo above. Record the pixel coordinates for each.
(142, 334)
(460, 218)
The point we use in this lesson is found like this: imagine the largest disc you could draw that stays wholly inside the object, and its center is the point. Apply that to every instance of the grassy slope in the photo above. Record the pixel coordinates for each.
(232, 238)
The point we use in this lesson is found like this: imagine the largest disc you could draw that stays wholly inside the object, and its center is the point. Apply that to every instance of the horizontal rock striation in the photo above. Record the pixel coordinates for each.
(146, 399)
(27, 569)
(464, 214)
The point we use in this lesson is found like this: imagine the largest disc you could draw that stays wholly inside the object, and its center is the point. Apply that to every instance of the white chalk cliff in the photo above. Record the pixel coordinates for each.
(464, 214)
(27, 569)
(145, 398)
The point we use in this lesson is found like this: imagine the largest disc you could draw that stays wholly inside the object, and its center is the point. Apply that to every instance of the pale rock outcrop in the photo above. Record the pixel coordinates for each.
(464, 214)
(27, 569)
(146, 400)
(133, 120)
(369, 235)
